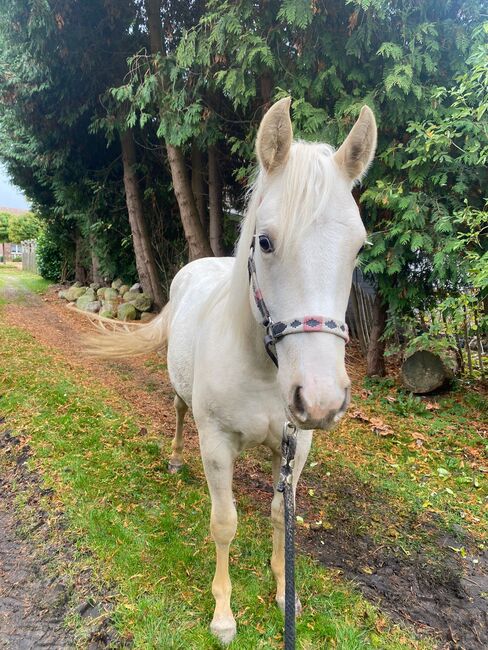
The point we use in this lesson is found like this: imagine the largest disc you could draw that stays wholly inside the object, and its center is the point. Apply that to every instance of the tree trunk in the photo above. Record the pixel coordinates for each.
(266, 88)
(80, 270)
(198, 244)
(145, 261)
(198, 184)
(424, 370)
(376, 347)
(215, 201)
(95, 262)
(153, 11)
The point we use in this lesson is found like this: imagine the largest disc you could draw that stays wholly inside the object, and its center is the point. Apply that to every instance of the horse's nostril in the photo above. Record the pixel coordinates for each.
(298, 405)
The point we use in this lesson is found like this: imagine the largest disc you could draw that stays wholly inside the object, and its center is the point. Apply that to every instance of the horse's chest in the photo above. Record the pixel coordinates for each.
(254, 414)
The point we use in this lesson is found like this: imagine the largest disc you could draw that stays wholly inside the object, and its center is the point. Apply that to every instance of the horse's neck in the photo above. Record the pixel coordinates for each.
(247, 335)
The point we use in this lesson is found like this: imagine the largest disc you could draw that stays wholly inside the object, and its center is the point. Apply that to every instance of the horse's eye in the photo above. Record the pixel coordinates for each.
(265, 243)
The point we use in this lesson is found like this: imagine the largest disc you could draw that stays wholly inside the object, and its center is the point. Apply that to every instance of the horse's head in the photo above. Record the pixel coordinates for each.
(308, 233)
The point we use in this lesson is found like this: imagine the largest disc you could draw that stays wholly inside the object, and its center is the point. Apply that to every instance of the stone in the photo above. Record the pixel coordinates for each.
(116, 284)
(130, 295)
(101, 293)
(87, 302)
(146, 317)
(95, 286)
(135, 287)
(62, 294)
(77, 284)
(126, 311)
(110, 305)
(74, 293)
(107, 313)
(94, 306)
(110, 294)
(142, 302)
(123, 289)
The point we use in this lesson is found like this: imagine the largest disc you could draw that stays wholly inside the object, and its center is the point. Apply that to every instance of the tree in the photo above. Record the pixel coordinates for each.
(51, 95)
(4, 222)
(332, 59)
(23, 227)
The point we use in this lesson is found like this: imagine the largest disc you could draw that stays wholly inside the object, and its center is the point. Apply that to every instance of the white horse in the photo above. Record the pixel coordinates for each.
(302, 232)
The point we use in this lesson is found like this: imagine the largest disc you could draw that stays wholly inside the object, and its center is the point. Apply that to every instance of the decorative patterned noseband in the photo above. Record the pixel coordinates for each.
(277, 330)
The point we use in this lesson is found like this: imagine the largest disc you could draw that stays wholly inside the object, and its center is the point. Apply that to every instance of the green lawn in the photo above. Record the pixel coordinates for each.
(19, 283)
(430, 462)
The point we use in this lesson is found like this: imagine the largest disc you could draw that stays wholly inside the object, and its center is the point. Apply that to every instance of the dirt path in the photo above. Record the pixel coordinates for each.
(451, 604)
(31, 602)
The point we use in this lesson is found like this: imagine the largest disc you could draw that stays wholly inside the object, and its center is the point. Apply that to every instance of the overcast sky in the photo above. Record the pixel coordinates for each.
(10, 196)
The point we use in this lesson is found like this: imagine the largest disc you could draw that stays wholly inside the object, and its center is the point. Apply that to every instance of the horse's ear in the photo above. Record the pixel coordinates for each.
(275, 135)
(357, 151)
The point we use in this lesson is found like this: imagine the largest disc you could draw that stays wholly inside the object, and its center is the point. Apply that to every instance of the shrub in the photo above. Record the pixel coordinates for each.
(50, 258)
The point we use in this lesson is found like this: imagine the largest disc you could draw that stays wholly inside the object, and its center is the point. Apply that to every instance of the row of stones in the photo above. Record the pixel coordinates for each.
(117, 301)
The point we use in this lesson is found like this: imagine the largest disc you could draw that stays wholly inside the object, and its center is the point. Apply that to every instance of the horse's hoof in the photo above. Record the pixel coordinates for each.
(224, 629)
(174, 468)
(280, 601)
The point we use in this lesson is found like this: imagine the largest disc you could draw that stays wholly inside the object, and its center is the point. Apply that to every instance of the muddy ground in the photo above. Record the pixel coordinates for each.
(446, 597)
(37, 589)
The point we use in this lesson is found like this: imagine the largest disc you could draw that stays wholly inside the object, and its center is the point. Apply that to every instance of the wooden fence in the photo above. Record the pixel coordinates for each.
(29, 258)
(359, 314)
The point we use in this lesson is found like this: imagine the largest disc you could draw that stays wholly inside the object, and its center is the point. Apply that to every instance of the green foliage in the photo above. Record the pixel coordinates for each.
(50, 257)
(406, 405)
(23, 227)
(4, 223)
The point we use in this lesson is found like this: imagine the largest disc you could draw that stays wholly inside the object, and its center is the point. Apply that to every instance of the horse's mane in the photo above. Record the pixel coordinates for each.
(305, 182)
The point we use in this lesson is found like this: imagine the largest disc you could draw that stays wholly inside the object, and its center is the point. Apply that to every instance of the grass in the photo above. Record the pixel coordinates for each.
(20, 283)
(426, 475)
(145, 533)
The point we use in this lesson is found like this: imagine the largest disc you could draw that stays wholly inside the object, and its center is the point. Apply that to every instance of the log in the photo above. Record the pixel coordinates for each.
(424, 371)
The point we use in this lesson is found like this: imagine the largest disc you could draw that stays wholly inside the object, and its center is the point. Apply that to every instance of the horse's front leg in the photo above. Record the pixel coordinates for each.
(218, 461)
(304, 441)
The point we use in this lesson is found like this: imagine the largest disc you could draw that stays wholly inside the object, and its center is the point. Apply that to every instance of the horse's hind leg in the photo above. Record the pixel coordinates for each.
(304, 441)
(176, 458)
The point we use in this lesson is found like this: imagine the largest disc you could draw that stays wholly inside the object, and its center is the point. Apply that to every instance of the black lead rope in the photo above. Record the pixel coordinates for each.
(274, 332)
(285, 485)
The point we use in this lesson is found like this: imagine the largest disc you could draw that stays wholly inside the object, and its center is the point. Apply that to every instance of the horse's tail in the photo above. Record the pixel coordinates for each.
(122, 340)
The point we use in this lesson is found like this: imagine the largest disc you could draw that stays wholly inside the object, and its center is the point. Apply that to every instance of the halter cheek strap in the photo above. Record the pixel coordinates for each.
(279, 329)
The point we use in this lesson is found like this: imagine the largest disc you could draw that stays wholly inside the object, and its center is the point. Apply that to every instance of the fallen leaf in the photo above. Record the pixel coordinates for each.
(418, 436)
(358, 415)
(380, 427)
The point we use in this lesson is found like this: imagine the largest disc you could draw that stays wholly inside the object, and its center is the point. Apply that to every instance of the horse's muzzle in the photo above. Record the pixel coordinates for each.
(311, 410)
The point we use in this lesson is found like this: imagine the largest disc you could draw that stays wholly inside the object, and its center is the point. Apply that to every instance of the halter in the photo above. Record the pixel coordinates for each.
(277, 330)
